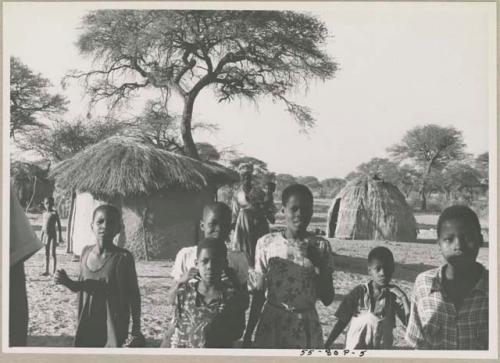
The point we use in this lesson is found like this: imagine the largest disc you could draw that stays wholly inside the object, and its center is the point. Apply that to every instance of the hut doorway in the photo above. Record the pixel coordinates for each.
(333, 219)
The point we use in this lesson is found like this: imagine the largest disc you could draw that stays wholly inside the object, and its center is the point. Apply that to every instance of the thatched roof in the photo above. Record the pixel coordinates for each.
(128, 166)
(371, 209)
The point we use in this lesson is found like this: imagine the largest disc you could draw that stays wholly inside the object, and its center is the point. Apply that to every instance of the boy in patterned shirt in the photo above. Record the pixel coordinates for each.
(449, 308)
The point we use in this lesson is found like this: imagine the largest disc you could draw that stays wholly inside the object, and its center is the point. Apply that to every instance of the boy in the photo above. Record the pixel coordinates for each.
(209, 313)
(216, 223)
(449, 308)
(49, 235)
(371, 308)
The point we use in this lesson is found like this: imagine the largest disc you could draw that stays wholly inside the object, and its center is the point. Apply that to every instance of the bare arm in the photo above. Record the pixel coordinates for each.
(58, 221)
(135, 297)
(90, 286)
(336, 331)
(325, 284)
(258, 299)
(172, 293)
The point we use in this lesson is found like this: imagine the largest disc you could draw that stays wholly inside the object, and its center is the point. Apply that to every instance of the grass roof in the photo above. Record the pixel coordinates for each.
(130, 166)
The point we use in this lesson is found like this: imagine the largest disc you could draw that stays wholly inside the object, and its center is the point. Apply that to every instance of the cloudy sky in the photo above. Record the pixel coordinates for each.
(401, 65)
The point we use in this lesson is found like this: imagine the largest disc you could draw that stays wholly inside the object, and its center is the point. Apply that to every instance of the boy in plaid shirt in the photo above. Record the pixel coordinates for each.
(449, 308)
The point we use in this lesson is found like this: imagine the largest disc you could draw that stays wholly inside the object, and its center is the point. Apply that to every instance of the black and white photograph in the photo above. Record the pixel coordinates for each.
(250, 179)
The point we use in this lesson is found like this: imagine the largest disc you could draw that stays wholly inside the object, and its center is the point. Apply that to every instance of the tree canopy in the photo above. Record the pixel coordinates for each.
(236, 53)
(30, 98)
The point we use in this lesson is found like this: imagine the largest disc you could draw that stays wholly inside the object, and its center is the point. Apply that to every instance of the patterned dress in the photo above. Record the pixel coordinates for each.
(289, 318)
(216, 324)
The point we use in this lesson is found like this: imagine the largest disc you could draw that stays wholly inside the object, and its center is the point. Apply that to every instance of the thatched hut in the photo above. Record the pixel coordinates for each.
(371, 209)
(160, 194)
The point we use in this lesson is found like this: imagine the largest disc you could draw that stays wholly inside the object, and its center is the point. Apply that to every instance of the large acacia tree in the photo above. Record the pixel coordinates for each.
(431, 147)
(236, 53)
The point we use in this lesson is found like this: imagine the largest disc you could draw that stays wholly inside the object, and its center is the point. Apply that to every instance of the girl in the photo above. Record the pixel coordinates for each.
(209, 313)
(108, 292)
(292, 269)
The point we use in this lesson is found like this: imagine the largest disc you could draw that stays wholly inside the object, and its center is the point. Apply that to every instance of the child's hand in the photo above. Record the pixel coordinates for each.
(61, 277)
(188, 275)
(135, 341)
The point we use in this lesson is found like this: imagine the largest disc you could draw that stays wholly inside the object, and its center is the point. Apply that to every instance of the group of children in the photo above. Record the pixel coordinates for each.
(279, 277)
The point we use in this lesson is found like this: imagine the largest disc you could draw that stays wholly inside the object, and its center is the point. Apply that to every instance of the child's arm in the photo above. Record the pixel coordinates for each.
(191, 273)
(414, 332)
(336, 331)
(90, 286)
(135, 297)
(321, 257)
(403, 304)
(58, 221)
(258, 299)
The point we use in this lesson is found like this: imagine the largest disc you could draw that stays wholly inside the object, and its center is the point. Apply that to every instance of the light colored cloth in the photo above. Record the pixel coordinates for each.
(371, 320)
(434, 321)
(284, 271)
(23, 240)
(186, 260)
(250, 226)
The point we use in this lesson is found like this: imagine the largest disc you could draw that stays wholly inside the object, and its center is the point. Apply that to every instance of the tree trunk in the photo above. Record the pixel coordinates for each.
(186, 134)
(32, 195)
(423, 206)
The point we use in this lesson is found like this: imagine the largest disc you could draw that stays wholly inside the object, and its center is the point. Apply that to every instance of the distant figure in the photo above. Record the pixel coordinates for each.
(251, 225)
(209, 313)
(108, 291)
(292, 270)
(49, 234)
(240, 196)
(23, 244)
(370, 309)
(270, 208)
(450, 304)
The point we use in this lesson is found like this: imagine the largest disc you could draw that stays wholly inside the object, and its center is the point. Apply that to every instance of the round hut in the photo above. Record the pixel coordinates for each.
(160, 194)
(371, 209)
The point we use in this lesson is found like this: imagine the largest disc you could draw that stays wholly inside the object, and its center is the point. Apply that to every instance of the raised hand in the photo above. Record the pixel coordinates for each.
(61, 277)
(188, 275)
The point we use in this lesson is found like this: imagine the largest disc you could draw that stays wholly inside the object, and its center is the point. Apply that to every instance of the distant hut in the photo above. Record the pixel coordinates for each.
(160, 194)
(371, 209)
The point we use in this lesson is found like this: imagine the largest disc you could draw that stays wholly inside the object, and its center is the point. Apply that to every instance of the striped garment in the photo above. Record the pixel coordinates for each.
(436, 324)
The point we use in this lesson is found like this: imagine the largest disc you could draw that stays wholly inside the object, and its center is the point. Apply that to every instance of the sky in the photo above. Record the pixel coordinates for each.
(401, 65)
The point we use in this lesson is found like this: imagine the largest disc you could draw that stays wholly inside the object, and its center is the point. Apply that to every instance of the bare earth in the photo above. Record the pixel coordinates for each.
(53, 308)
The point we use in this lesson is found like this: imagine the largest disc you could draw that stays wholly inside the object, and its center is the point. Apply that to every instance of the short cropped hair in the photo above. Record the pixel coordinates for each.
(214, 244)
(218, 207)
(296, 189)
(461, 213)
(381, 253)
(111, 210)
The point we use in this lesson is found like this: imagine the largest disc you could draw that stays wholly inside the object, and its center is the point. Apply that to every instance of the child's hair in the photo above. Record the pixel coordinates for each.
(296, 189)
(212, 243)
(218, 207)
(381, 253)
(461, 213)
(110, 209)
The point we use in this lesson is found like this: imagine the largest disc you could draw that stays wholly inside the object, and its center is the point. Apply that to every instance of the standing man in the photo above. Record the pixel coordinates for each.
(240, 196)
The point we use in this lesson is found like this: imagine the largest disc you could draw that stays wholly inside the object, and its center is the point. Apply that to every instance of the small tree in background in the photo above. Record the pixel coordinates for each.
(430, 147)
(248, 54)
(30, 99)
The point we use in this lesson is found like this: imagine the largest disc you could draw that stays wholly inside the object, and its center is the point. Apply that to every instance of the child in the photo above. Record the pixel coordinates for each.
(49, 235)
(208, 312)
(216, 223)
(371, 308)
(251, 225)
(449, 308)
(292, 269)
(108, 292)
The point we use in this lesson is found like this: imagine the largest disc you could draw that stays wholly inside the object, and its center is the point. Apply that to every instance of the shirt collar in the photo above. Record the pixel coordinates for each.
(437, 281)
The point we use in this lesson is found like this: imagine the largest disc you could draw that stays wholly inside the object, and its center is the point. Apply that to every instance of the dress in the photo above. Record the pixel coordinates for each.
(371, 321)
(103, 317)
(250, 226)
(289, 318)
(217, 324)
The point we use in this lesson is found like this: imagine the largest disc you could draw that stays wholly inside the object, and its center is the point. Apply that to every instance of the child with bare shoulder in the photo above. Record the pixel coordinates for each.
(49, 236)
(108, 291)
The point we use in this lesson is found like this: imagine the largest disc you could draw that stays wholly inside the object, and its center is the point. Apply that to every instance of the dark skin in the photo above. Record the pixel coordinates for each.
(215, 224)
(459, 243)
(381, 273)
(48, 203)
(298, 211)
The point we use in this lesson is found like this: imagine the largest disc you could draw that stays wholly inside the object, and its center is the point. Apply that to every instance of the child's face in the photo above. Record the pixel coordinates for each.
(214, 225)
(210, 265)
(459, 242)
(298, 213)
(380, 272)
(48, 204)
(105, 226)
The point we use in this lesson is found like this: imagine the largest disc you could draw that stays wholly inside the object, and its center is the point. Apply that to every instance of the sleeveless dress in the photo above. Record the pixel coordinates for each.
(104, 316)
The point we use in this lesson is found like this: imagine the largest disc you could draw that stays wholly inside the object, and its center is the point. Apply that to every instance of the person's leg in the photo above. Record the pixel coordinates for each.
(54, 254)
(18, 307)
(47, 255)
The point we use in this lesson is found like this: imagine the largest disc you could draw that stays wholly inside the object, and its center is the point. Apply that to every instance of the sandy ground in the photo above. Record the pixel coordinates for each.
(53, 308)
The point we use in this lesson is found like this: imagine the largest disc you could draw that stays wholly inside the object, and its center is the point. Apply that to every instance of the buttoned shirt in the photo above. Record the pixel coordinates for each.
(435, 322)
